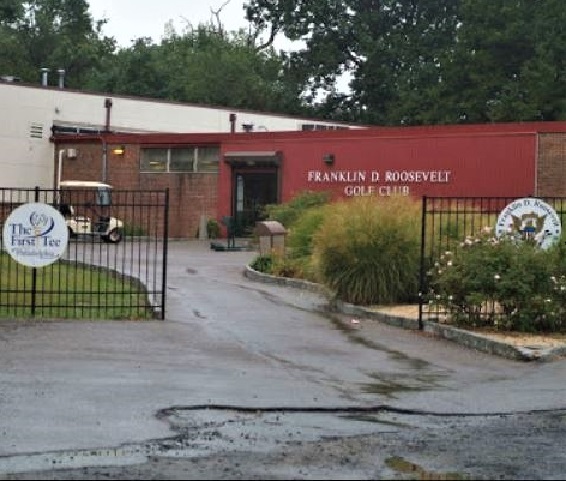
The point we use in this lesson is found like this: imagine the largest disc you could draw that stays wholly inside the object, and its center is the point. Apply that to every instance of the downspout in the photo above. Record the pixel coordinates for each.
(104, 160)
(108, 107)
(60, 167)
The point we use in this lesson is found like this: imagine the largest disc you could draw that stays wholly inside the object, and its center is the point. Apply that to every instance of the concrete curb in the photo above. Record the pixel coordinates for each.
(450, 333)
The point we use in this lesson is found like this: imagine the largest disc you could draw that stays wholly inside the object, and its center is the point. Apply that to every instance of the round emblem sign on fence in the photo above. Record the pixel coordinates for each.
(35, 235)
(530, 219)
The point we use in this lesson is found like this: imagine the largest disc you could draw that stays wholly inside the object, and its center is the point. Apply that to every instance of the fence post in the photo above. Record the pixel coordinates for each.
(165, 251)
(422, 269)
(34, 269)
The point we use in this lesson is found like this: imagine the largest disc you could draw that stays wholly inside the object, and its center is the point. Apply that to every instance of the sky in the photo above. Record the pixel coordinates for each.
(131, 19)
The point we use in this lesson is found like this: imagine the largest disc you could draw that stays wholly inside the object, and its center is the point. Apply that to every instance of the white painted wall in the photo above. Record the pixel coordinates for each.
(27, 161)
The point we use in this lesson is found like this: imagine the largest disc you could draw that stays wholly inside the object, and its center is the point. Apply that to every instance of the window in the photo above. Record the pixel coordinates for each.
(182, 160)
(192, 159)
(207, 159)
(154, 160)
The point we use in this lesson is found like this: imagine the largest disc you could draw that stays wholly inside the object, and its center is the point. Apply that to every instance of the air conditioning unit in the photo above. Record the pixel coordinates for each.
(71, 153)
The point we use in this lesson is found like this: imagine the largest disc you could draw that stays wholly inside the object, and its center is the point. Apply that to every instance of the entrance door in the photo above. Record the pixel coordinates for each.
(253, 190)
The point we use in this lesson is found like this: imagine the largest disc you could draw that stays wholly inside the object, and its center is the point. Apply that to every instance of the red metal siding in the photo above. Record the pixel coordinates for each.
(462, 164)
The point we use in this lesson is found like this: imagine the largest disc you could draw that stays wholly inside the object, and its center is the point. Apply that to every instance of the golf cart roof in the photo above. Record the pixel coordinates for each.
(84, 183)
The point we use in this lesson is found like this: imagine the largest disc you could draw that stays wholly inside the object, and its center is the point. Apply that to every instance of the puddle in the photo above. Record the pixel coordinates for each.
(403, 466)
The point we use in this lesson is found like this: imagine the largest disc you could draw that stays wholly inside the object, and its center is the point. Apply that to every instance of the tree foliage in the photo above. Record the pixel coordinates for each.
(202, 65)
(53, 34)
(428, 61)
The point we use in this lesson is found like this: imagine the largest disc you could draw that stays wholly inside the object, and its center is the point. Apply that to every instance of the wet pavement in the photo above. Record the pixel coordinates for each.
(244, 367)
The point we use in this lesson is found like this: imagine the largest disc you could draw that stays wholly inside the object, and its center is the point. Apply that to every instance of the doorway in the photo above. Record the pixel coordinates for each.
(252, 190)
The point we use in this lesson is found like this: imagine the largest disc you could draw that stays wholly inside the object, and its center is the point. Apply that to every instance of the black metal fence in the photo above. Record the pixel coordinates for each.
(114, 265)
(452, 224)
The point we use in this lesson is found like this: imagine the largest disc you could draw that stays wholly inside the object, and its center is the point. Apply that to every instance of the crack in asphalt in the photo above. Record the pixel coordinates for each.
(380, 408)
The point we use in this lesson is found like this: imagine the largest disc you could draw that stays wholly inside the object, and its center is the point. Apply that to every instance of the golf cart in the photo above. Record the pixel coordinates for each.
(85, 206)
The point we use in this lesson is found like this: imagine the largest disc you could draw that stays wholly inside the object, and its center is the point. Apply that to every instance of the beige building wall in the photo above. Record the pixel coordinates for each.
(28, 113)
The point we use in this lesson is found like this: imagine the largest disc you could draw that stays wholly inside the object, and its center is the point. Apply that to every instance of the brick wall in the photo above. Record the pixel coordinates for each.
(551, 165)
(190, 195)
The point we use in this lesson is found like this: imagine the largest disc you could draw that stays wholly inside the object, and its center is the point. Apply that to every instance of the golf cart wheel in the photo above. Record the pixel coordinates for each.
(114, 236)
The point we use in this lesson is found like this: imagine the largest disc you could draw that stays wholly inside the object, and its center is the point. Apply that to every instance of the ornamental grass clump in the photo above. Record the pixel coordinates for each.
(503, 284)
(368, 250)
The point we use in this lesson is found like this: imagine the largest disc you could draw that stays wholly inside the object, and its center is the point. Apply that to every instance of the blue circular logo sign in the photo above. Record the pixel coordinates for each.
(35, 235)
(532, 220)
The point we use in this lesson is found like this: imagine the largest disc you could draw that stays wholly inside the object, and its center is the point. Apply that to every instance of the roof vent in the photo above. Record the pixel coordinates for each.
(44, 76)
(61, 73)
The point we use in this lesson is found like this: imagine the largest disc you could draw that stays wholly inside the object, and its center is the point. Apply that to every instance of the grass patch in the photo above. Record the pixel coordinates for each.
(69, 291)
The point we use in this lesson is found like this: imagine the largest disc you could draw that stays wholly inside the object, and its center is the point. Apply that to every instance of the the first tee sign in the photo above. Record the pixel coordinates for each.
(35, 235)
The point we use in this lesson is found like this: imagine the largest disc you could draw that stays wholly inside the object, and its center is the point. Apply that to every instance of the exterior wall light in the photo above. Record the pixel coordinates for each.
(329, 159)
(121, 150)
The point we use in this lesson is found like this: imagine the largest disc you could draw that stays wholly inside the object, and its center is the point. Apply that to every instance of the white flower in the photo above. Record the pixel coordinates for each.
(497, 277)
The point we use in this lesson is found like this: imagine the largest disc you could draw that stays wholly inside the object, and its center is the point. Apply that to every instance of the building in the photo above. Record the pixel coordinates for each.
(234, 174)
(31, 114)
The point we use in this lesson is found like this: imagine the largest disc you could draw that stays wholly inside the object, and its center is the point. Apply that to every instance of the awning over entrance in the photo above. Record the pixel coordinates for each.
(262, 158)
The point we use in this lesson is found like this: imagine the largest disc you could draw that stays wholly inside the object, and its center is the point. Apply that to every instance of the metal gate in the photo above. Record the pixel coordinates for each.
(114, 265)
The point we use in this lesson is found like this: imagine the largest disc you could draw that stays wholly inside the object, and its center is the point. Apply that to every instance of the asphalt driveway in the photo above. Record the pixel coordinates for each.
(231, 347)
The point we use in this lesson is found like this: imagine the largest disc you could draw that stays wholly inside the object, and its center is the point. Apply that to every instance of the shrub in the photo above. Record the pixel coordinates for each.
(287, 213)
(368, 250)
(504, 284)
(299, 241)
(132, 230)
(212, 229)
(280, 266)
(262, 264)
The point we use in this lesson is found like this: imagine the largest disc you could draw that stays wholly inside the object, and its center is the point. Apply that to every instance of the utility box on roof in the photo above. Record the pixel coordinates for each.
(271, 237)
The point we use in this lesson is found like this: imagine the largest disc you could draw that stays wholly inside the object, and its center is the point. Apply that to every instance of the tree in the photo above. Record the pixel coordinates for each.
(53, 34)
(427, 61)
(203, 65)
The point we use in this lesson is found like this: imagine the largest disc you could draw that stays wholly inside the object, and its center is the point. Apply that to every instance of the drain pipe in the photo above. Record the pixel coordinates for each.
(104, 160)
(60, 167)
(108, 107)
(232, 123)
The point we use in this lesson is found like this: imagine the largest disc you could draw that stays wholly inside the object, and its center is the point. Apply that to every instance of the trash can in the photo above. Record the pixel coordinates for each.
(271, 236)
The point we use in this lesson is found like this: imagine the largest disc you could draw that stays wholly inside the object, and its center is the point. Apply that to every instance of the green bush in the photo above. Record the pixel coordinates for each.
(368, 250)
(502, 284)
(262, 264)
(213, 229)
(288, 212)
(299, 253)
(131, 230)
